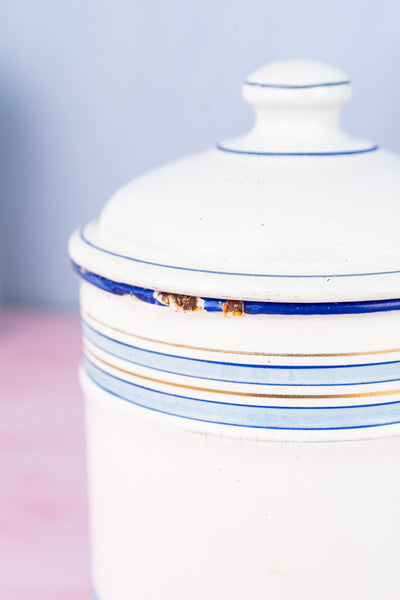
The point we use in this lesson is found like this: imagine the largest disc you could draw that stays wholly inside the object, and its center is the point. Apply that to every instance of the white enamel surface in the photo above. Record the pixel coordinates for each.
(274, 228)
(179, 515)
(188, 509)
(309, 228)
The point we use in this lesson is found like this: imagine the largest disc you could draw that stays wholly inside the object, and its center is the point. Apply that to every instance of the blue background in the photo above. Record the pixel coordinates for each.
(94, 93)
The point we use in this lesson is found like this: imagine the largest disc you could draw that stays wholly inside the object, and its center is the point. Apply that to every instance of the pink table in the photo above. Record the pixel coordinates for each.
(43, 516)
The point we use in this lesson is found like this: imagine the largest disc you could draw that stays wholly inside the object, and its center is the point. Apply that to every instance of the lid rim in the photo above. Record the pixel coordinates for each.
(249, 307)
(234, 274)
(273, 288)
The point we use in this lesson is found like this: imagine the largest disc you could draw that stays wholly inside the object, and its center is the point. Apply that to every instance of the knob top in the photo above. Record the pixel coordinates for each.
(298, 74)
(297, 105)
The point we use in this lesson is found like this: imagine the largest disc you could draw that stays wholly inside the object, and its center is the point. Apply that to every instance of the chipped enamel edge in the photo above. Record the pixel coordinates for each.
(228, 307)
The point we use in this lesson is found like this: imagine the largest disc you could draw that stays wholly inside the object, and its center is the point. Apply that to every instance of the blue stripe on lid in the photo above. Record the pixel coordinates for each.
(249, 307)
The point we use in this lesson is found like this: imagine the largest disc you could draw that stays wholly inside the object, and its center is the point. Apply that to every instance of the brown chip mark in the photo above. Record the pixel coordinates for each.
(180, 301)
(233, 308)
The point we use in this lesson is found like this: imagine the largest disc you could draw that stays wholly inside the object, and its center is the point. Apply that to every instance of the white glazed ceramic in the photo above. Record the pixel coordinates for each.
(242, 362)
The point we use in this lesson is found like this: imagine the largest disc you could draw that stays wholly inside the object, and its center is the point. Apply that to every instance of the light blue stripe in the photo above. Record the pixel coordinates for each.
(248, 373)
(263, 417)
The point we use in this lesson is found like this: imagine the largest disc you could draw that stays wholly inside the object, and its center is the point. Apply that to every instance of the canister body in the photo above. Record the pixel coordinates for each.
(243, 457)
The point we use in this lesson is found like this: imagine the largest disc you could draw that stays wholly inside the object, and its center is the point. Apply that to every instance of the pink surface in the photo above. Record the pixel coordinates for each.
(43, 515)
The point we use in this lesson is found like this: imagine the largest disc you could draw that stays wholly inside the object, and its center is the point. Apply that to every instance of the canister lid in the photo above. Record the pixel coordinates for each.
(296, 210)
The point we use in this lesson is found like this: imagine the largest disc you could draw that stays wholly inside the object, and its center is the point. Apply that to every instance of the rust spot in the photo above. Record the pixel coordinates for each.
(233, 308)
(162, 297)
(180, 301)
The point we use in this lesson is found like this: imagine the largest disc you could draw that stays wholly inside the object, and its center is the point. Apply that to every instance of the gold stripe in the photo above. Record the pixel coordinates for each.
(229, 393)
(175, 345)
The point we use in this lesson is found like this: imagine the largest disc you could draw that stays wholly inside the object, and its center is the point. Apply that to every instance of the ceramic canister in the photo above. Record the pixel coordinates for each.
(241, 368)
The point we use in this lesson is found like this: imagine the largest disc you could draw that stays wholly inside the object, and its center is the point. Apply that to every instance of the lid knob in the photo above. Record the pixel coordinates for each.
(297, 105)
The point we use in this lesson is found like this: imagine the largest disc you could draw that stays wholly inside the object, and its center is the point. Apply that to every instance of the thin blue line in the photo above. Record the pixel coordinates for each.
(250, 365)
(153, 264)
(253, 153)
(226, 423)
(285, 86)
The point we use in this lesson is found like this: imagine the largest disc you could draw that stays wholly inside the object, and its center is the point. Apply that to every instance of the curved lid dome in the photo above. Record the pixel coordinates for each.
(296, 210)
